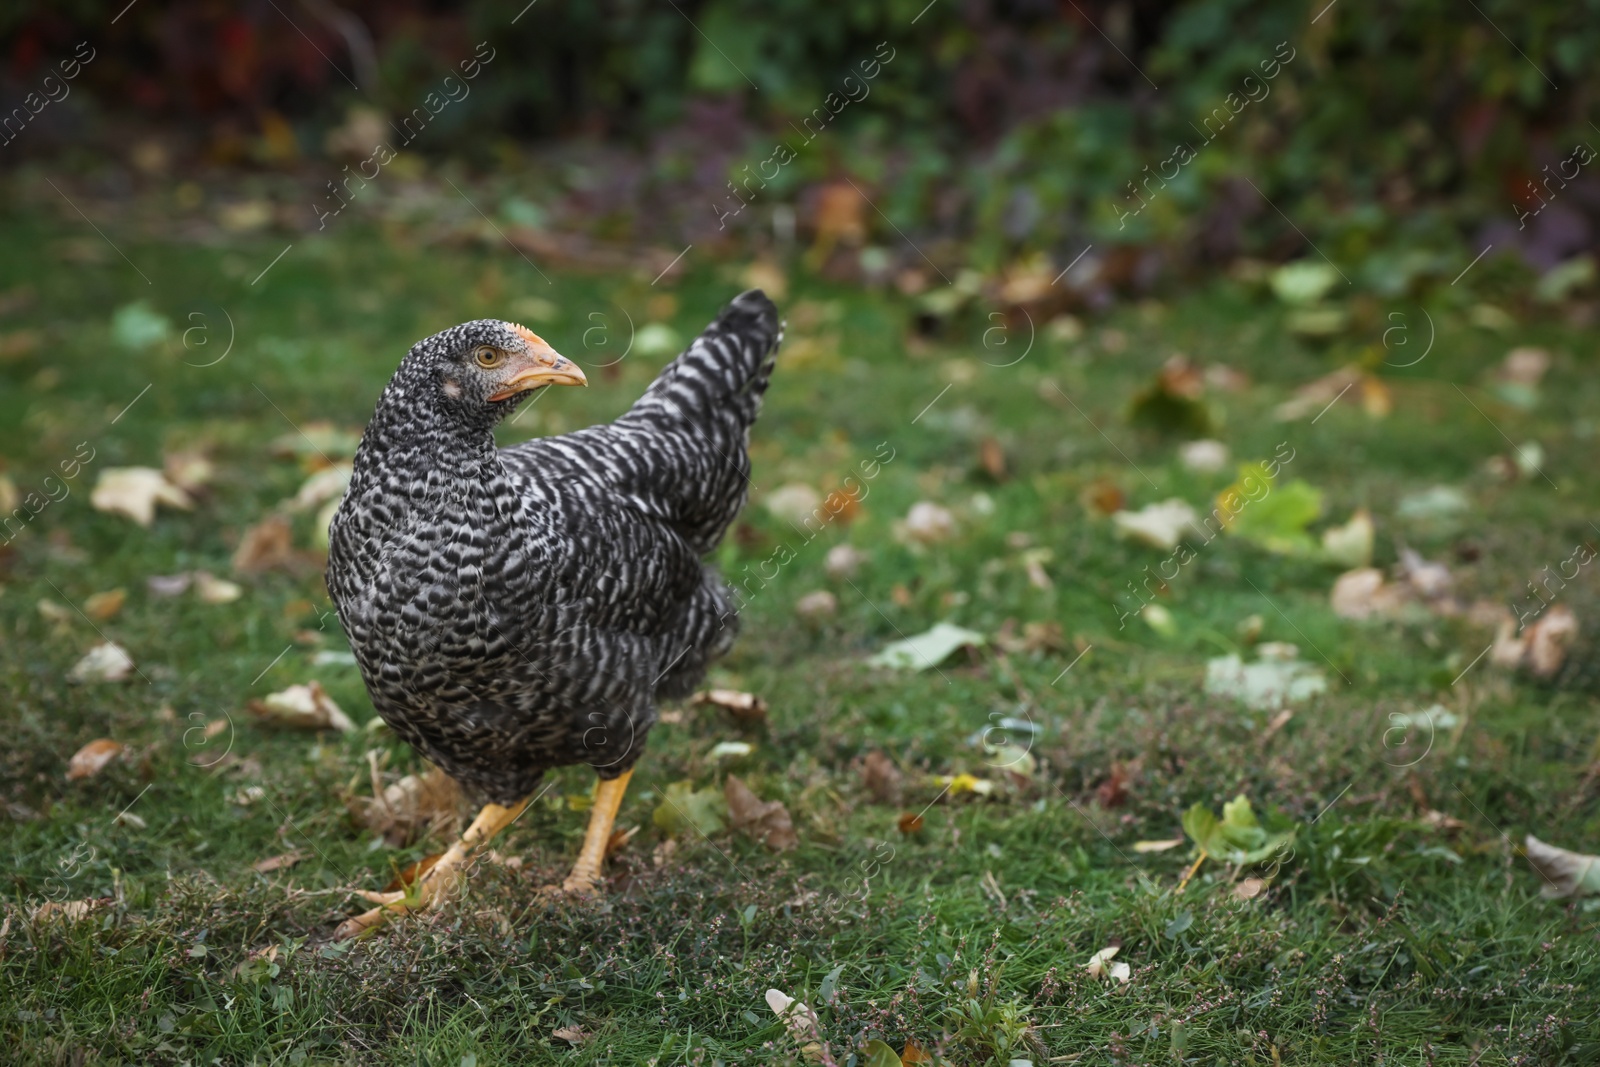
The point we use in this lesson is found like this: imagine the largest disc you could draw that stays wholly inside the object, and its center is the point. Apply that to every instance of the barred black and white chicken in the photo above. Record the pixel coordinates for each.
(518, 609)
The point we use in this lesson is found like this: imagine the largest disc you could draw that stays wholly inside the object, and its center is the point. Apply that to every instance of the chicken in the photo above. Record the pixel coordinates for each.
(518, 609)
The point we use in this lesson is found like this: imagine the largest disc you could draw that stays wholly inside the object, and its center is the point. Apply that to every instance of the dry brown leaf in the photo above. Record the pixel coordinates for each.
(105, 662)
(913, 1053)
(817, 605)
(746, 707)
(909, 823)
(575, 1034)
(268, 545)
(213, 590)
(1104, 498)
(842, 506)
(103, 606)
(302, 707)
(619, 839)
(279, 862)
(1541, 647)
(1249, 889)
(843, 561)
(1157, 846)
(403, 810)
(92, 758)
(409, 874)
(992, 458)
(67, 910)
(1363, 593)
(1318, 394)
(135, 492)
(1565, 873)
(765, 820)
(1523, 366)
(927, 523)
(189, 469)
(840, 217)
(881, 777)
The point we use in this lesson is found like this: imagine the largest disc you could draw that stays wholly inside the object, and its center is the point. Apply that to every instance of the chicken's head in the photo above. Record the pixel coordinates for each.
(485, 367)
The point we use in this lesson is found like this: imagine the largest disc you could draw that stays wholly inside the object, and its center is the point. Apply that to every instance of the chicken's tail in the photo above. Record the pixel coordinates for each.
(716, 385)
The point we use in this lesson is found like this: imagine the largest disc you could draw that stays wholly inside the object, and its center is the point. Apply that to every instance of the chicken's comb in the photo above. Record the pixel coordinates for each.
(529, 336)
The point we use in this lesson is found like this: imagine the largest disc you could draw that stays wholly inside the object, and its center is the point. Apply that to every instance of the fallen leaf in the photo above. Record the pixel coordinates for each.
(1565, 873)
(1249, 888)
(168, 585)
(927, 649)
(1157, 846)
(800, 1020)
(881, 777)
(105, 662)
(1516, 380)
(746, 707)
(278, 862)
(913, 1053)
(927, 523)
(135, 492)
(1350, 545)
(1363, 593)
(816, 606)
(1319, 394)
(323, 486)
(103, 606)
(190, 470)
(1238, 837)
(213, 590)
(1541, 646)
(403, 810)
(268, 545)
(92, 758)
(575, 1034)
(67, 910)
(1303, 282)
(876, 1053)
(684, 808)
(843, 561)
(411, 872)
(1160, 525)
(1172, 402)
(841, 506)
(909, 823)
(963, 783)
(302, 707)
(992, 458)
(1206, 456)
(1266, 685)
(767, 821)
(1100, 965)
(794, 503)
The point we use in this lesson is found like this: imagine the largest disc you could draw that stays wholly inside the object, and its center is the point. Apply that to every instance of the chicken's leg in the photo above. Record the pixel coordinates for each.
(585, 874)
(432, 886)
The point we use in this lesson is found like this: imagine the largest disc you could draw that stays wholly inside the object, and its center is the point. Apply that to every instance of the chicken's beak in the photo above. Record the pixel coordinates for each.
(540, 366)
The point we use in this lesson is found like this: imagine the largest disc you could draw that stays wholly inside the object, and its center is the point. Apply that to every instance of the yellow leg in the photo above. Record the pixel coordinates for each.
(585, 876)
(433, 886)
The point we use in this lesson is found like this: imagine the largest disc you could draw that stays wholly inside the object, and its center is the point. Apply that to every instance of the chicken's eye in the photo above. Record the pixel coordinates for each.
(488, 357)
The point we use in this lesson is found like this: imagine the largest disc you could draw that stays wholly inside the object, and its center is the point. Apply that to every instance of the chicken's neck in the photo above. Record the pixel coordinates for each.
(427, 453)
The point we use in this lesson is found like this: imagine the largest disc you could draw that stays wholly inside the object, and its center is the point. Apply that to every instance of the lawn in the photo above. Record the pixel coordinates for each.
(1402, 924)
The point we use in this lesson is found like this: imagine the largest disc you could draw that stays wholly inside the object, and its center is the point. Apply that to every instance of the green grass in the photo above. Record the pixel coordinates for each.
(1379, 938)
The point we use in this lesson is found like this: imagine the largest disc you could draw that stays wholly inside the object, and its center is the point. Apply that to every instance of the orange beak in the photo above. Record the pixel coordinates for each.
(541, 365)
